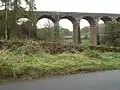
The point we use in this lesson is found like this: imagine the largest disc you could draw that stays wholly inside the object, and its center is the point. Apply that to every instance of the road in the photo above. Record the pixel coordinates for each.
(107, 80)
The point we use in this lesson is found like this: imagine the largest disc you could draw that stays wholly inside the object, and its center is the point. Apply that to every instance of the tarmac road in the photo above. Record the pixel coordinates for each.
(107, 80)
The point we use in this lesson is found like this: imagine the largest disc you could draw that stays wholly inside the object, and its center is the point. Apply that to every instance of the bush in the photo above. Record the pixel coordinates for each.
(105, 48)
(113, 28)
(36, 65)
(60, 48)
(30, 60)
(27, 47)
(91, 53)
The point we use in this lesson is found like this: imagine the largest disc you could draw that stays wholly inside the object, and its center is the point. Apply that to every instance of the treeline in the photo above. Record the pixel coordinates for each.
(108, 34)
(9, 28)
(11, 12)
(111, 35)
(85, 32)
(47, 33)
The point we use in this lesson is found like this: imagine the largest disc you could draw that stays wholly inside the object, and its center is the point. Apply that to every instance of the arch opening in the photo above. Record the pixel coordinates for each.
(85, 32)
(46, 17)
(101, 25)
(90, 20)
(45, 29)
(106, 19)
(26, 28)
(45, 23)
(91, 34)
(66, 30)
(21, 21)
(118, 19)
(70, 18)
(101, 31)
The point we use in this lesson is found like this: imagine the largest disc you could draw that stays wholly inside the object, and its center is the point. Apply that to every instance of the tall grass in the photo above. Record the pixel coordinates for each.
(30, 59)
(41, 64)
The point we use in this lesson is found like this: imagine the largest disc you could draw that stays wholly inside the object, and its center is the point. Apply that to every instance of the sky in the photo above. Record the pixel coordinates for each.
(97, 6)
(91, 6)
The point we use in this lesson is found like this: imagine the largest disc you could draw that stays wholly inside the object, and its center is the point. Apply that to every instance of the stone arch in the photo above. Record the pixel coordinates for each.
(101, 31)
(91, 20)
(71, 23)
(26, 25)
(48, 17)
(93, 29)
(72, 19)
(118, 19)
(22, 20)
(49, 20)
(23, 16)
(105, 19)
(44, 28)
(85, 32)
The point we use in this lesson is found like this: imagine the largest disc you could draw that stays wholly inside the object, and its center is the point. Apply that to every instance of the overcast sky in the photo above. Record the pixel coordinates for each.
(100, 6)
(97, 6)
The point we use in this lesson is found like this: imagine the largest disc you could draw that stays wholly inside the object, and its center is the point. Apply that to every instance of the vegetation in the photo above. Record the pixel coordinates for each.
(29, 60)
(113, 29)
(13, 11)
(47, 33)
(108, 35)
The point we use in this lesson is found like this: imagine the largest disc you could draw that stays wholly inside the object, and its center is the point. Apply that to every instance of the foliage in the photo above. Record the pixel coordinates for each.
(91, 53)
(114, 31)
(39, 64)
(85, 32)
(33, 59)
(14, 10)
(28, 47)
(64, 32)
(105, 48)
(26, 30)
(47, 33)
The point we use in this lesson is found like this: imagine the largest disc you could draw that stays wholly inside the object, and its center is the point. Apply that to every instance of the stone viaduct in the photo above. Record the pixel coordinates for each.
(75, 17)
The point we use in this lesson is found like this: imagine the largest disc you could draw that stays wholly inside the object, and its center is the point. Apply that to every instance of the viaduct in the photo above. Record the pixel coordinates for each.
(75, 17)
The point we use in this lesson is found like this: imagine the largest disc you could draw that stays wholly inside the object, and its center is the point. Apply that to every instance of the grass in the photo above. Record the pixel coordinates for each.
(86, 42)
(41, 64)
(30, 61)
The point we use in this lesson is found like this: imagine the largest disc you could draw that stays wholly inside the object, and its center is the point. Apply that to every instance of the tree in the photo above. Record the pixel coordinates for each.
(15, 7)
(10, 22)
(2, 25)
(31, 4)
(6, 5)
(47, 33)
(25, 29)
(113, 33)
(16, 12)
(32, 7)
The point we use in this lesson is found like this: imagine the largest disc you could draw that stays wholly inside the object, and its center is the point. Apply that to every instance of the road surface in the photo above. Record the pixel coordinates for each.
(108, 80)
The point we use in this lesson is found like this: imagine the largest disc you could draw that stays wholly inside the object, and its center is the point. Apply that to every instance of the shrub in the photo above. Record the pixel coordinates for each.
(114, 33)
(28, 47)
(91, 53)
(105, 48)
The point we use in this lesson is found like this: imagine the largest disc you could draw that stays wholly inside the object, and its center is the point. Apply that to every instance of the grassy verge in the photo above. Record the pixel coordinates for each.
(20, 60)
(41, 64)
(86, 42)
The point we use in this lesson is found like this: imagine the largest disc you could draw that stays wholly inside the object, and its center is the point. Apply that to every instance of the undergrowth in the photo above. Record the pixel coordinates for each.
(32, 61)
